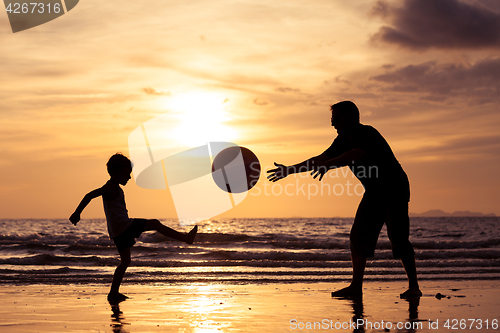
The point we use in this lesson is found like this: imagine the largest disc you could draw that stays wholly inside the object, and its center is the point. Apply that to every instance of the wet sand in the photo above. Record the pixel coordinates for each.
(250, 308)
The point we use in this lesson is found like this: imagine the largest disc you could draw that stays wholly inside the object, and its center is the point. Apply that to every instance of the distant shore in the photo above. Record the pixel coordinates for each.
(460, 213)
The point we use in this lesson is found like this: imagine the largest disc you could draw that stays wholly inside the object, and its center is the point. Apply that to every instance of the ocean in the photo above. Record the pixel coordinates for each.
(243, 251)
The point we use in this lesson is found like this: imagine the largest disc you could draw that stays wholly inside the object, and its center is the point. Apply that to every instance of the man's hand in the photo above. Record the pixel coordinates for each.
(74, 218)
(279, 173)
(319, 170)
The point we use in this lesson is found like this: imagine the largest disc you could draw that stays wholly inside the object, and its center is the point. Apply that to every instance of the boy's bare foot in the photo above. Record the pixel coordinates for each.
(190, 236)
(116, 297)
(349, 291)
(411, 292)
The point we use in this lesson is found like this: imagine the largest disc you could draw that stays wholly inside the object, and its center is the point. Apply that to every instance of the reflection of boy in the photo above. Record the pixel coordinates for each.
(122, 229)
(387, 192)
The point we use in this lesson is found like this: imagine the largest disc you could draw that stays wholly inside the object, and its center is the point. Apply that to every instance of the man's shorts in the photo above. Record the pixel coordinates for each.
(126, 239)
(374, 210)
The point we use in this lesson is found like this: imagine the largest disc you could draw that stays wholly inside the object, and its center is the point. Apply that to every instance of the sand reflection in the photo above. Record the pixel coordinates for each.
(118, 321)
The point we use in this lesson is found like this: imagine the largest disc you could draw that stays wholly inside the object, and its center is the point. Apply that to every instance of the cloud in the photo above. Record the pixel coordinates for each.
(479, 81)
(442, 24)
(485, 146)
(151, 91)
(262, 102)
(287, 90)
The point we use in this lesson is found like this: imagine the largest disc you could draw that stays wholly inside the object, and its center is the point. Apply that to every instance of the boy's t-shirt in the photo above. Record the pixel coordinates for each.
(116, 212)
(378, 170)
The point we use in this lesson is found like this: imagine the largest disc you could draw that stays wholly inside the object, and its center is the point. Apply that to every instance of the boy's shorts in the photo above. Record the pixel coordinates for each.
(374, 210)
(126, 239)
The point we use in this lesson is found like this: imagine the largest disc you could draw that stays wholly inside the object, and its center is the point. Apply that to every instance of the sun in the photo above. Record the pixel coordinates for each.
(202, 117)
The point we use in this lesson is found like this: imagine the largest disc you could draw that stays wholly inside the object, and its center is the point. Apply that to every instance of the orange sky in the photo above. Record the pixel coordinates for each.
(425, 74)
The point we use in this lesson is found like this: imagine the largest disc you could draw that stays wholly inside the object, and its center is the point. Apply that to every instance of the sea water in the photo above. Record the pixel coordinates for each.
(243, 251)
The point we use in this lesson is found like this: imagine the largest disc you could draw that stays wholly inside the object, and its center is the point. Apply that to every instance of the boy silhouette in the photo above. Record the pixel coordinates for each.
(122, 229)
(386, 197)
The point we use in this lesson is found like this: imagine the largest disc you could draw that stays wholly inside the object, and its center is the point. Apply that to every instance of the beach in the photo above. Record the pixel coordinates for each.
(246, 275)
(275, 307)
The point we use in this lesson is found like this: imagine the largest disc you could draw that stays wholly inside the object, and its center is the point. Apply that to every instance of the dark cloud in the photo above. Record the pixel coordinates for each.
(480, 81)
(446, 24)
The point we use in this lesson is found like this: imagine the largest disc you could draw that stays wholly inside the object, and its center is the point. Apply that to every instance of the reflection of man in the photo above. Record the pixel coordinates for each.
(387, 192)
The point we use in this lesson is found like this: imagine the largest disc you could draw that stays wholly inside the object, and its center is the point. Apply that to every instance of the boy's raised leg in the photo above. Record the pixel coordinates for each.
(191, 235)
(169, 232)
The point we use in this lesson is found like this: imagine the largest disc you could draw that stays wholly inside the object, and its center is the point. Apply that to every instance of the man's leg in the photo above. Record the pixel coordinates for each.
(363, 238)
(169, 232)
(356, 286)
(411, 271)
(398, 231)
(358, 272)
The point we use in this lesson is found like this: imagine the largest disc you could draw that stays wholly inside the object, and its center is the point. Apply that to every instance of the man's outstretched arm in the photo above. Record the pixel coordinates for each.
(308, 165)
(350, 157)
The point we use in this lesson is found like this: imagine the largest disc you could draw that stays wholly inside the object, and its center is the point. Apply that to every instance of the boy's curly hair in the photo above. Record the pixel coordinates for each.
(117, 163)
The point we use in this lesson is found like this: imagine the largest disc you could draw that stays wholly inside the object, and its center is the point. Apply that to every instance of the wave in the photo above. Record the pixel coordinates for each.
(263, 259)
(38, 241)
(70, 275)
(243, 251)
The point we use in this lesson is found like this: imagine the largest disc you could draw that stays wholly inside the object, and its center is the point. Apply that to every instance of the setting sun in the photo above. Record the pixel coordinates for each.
(202, 118)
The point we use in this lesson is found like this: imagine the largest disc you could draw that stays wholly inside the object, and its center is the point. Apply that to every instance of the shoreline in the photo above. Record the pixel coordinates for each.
(276, 307)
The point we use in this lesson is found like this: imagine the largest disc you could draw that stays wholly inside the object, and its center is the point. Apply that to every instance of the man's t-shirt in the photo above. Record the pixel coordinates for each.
(378, 170)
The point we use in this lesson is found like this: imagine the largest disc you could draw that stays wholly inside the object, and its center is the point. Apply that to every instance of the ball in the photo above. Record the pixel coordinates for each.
(236, 169)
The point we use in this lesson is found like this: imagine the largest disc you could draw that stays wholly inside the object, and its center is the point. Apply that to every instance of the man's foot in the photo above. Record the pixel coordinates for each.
(411, 292)
(191, 235)
(349, 291)
(116, 297)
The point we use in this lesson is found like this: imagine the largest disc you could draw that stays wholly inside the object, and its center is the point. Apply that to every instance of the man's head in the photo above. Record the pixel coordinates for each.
(345, 115)
(119, 168)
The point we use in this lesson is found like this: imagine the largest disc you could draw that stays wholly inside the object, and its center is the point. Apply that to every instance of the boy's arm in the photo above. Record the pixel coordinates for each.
(75, 217)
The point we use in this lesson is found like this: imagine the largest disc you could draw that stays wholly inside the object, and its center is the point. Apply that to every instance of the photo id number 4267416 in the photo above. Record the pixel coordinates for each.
(33, 8)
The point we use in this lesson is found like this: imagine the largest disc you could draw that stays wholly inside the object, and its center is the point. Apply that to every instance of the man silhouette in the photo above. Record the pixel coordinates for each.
(386, 197)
